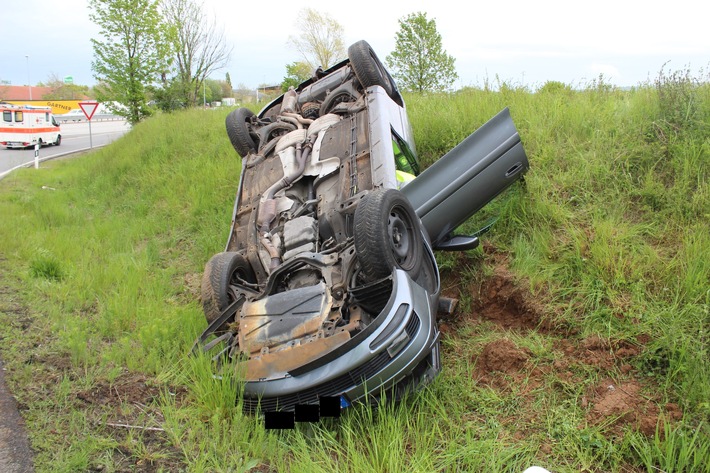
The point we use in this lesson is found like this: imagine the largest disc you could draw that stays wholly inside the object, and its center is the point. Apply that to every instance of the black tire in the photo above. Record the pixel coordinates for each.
(387, 234)
(222, 271)
(59, 140)
(368, 68)
(310, 110)
(334, 99)
(238, 131)
(40, 142)
(274, 130)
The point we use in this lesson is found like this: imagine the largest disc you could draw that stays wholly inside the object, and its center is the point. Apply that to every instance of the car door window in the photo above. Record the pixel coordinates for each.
(404, 158)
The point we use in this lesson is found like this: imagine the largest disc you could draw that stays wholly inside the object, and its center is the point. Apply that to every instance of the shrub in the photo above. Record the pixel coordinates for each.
(681, 108)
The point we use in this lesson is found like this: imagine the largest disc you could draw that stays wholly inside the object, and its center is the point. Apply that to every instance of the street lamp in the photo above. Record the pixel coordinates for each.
(29, 83)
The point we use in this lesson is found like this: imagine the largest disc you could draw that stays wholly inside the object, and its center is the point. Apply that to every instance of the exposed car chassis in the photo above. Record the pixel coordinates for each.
(328, 284)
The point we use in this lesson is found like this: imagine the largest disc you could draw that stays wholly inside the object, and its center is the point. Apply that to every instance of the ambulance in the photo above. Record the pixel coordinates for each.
(22, 126)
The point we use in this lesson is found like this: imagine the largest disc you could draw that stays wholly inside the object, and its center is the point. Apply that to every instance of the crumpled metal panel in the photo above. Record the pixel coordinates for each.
(283, 318)
(278, 364)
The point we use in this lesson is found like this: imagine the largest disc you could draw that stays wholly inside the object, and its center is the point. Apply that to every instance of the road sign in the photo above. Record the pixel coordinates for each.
(88, 108)
(68, 80)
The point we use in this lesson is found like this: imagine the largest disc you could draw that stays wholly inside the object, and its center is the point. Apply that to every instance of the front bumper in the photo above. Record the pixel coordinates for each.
(406, 338)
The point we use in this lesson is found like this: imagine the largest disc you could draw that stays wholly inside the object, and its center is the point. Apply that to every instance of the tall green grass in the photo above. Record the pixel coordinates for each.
(102, 256)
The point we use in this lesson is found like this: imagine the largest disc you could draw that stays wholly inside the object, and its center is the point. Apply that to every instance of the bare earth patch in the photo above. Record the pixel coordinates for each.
(128, 407)
(623, 404)
(130, 388)
(620, 400)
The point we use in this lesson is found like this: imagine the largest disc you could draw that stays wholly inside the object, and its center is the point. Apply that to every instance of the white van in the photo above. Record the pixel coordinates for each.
(22, 126)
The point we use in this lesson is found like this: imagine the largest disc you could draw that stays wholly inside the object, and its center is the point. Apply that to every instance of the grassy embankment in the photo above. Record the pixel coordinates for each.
(594, 359)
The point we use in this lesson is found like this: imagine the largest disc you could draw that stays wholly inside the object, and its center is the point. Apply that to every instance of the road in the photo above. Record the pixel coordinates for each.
(75, 137)
(15, 452)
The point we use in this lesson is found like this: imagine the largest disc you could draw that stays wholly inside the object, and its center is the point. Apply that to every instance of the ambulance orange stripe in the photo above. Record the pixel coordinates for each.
(24, 110)
(28, 130)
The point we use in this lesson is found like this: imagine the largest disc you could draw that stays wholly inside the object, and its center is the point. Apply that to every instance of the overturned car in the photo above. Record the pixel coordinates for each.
(328, 286)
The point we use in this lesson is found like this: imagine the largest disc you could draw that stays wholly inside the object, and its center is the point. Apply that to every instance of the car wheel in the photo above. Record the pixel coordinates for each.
(238, 131)
(40, 142)
(59, 140)
(223, 271)
(368, 68)
(387, 234)
(334, 99)
(310, 110)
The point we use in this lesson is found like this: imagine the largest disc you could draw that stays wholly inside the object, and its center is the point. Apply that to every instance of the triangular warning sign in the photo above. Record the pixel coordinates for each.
(89, 108)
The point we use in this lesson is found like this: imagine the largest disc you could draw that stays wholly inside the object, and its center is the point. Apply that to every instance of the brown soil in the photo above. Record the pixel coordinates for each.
(503, 356)
(500, 301)
(130, 388)
(621, 400)
(128, 407)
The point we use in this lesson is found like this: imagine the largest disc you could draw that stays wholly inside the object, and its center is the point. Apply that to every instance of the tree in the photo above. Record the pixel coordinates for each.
(61, 91)
(228, 89)
(200, 47)
(419, 62)
(130, 55)
(321, 39)
(296, 73)
(169, 96)
(214, 90)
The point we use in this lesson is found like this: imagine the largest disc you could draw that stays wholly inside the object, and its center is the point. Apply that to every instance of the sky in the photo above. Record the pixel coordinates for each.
(520, 42)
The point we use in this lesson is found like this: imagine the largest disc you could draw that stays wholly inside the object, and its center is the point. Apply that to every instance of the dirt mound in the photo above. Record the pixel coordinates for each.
(620, 404)
(502, 355)
(503, 365)
(497, 299)
(501, 304)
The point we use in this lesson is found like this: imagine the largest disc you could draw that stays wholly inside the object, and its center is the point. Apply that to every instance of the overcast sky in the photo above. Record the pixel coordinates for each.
(522, 42)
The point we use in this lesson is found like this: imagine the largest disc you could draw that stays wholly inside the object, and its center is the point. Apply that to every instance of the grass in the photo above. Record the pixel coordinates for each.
(608, 240)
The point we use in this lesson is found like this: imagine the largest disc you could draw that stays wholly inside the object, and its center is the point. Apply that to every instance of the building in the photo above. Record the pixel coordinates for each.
(22, 92)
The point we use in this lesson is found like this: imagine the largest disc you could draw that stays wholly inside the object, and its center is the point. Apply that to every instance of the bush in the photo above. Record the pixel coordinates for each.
(680, 102)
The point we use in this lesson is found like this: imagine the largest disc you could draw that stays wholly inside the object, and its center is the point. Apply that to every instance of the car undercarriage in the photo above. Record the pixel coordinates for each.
(328, 285)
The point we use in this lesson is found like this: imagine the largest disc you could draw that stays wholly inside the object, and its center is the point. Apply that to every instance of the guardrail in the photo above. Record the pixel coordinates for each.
(47, 158)
(82, 118)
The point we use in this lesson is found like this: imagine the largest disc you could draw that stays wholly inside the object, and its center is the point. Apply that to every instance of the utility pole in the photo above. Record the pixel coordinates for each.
(29, 83)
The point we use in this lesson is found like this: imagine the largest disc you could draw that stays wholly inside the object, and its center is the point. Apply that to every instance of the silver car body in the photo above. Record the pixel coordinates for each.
(328, 284)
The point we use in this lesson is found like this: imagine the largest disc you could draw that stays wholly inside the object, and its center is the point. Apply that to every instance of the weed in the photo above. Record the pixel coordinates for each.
(45, 266)
(674, 449)
(680, 103)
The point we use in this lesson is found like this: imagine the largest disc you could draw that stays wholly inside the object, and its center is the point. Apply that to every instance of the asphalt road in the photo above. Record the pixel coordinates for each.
(75, 137)
(15, 452)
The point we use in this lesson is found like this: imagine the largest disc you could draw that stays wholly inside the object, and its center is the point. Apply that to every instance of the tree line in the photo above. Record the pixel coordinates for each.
(160, 53)
(165, 49)
(418, 63)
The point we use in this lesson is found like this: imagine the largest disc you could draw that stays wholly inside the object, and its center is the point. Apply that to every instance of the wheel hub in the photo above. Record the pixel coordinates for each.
(399, 237)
